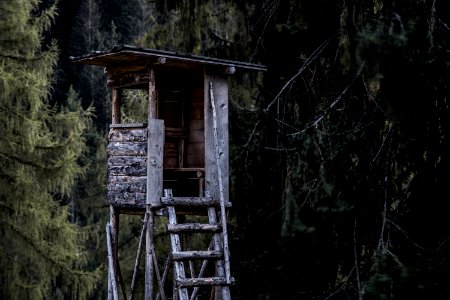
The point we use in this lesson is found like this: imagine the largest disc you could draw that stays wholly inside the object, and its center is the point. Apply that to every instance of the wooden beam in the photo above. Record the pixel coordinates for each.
(115, 110)
(155, 162)
(149, 266)
(127, 80)
(152, 101)
(112, 271)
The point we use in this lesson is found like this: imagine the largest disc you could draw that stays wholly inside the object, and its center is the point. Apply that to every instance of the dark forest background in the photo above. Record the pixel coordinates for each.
(340, 154)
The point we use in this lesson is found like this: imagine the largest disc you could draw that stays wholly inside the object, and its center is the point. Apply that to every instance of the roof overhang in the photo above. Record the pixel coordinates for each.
(129, 56)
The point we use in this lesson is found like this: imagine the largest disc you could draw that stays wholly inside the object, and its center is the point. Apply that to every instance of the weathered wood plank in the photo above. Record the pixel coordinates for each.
(128, 125)
(196, 148)
(115, 106)
(192, 201)
(127, 80)
(127, 179)
(220, 175)
(193, 227)
(220, 91)
(124, 148)
(132, 186)
(127, 160)
(176, 132)
(196, 114)
(127, 135)
(122, 68)
(126, 199)
(155, 161)
(199, 254)
(197, 124)
(197, 136)
(137, 170)
(208, 281)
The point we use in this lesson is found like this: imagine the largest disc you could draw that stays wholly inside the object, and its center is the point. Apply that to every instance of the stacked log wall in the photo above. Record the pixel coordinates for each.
(127, 166)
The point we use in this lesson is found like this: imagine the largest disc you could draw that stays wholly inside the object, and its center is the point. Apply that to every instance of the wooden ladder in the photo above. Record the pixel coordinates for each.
(187, 284)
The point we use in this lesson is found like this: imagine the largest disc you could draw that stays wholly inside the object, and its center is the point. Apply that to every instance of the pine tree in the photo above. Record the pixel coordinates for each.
(41, 252)
(87, 35)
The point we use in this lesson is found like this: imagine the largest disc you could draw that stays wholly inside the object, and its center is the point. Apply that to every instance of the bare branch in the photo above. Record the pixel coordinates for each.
(358, 281)
(307, 62)
(333, 104)
(342, 285)
(382, 144)
(272, 7)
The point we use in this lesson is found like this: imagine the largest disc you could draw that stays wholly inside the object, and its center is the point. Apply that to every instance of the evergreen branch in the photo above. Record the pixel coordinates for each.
(22, 58)
(29, 163)
(29, 241)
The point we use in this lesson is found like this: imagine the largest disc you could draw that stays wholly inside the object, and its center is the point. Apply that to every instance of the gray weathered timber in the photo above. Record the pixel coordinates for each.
(138, 259)
(127, 165)
(220, 91)
(128, 170)
(217, 245)
(192, 201)
(127, 80)
(127, 134)
(217, 148)
(200, 254)
(176, 247)
(208, 281)
(127, 199)
(155, 162)
(111, 267)
(127, 184)
(124, 148)
(192, 227)
(115, 109)
(149, 266)
(121, 160)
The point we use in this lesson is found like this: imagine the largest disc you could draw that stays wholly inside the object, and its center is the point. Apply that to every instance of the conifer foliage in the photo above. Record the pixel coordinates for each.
(41, 252)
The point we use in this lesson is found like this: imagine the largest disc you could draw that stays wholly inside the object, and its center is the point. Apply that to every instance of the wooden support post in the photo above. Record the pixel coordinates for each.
(154, 179)
(138, 258)
(114, 223)
(111, 269)
(226, 250)
(115, 109)
(165, 273)
(152, 100)
(149, 267)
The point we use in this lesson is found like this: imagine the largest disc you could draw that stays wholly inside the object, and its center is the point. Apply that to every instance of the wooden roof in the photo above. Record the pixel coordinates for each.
(127, 55)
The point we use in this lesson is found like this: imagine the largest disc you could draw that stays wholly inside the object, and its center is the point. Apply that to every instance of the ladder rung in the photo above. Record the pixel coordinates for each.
(193, 227)
(192, 201)
(207, 281)
(189, 255)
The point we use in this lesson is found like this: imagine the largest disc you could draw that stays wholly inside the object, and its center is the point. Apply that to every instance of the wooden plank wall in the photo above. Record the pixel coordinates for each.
(195, 148)
(127, 166)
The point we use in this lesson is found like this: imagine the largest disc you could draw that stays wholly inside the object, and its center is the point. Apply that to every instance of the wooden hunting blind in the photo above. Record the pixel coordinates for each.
(173, 163)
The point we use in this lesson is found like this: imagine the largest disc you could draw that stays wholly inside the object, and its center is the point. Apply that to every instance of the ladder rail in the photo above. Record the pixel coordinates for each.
(176, 247)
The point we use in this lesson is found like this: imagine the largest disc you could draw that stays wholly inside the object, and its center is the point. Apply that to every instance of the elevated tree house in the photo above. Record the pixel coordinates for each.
(174, 165)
